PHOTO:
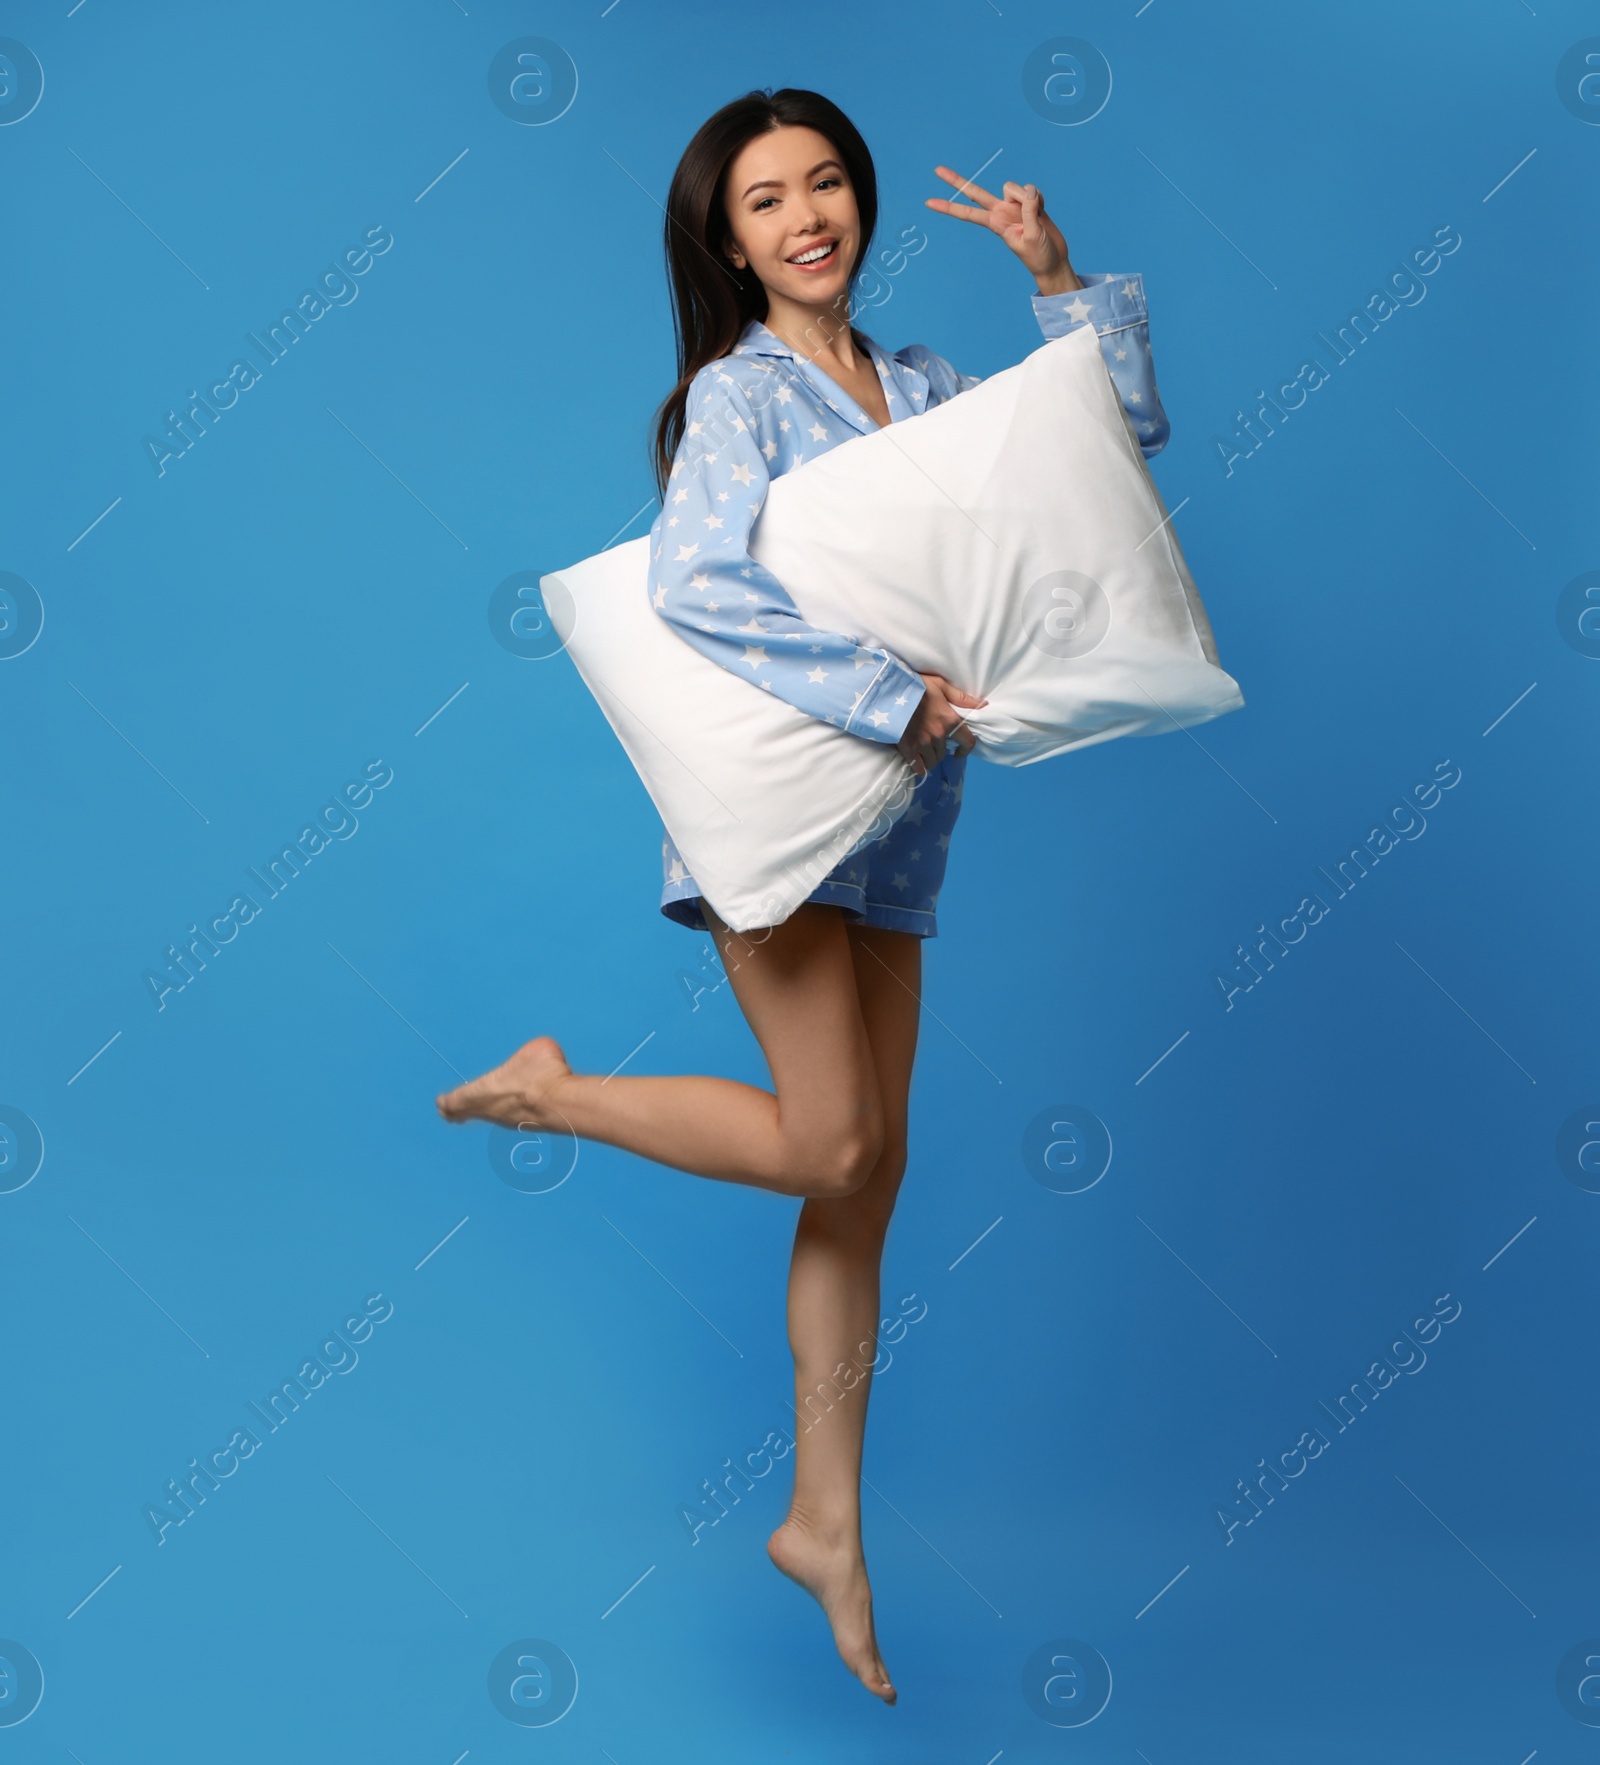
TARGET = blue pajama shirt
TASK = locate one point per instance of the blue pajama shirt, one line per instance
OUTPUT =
(758, 413)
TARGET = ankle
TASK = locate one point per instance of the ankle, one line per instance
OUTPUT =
(834, 1525)
(557, 1092)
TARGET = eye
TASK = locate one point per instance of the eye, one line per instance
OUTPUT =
(763, 203)
(831, 178)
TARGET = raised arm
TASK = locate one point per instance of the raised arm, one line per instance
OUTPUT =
(705, 583)
(1114, 305)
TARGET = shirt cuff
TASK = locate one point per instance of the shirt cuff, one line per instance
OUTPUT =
(888, 703)
(1109, 303)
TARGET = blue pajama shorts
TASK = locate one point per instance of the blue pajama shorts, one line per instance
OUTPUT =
(893, 883)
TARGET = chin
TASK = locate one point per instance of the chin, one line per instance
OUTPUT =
(813, 291)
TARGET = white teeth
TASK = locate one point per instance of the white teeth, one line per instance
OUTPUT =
(814, 256)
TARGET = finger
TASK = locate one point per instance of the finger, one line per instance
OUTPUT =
(1016, 204)
(957, 697)
(946, 691)
(966, 741)
(966, 187)
(1032, 225)
(940, 206)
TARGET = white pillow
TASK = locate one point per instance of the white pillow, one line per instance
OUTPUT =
(1011, 539)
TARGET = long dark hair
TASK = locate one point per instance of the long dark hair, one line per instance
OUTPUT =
(712, 302)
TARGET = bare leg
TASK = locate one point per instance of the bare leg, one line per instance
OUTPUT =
(833, 1320)
(819, 1132)
(835, 1010)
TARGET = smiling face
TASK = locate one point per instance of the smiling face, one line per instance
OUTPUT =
(793, 215)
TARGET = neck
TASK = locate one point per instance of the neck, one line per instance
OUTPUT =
(813, 329)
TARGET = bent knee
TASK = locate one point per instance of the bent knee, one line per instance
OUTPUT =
(857, 1218)
(841, 1166)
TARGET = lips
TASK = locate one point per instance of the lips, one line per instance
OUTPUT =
(829, 249)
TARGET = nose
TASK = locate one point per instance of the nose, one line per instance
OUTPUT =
(812, 220)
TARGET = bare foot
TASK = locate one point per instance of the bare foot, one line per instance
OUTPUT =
(834, 1572)
(519, 1094)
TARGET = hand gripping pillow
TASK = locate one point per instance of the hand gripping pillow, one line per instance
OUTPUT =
(1011, 539)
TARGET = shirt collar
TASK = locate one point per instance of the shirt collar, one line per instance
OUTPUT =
(756, 339)
(906, 386)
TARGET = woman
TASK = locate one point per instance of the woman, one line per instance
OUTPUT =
(770, 216)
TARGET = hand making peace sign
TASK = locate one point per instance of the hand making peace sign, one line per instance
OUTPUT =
(1018, 217)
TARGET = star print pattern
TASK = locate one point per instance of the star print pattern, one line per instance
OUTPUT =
(740, 409)
(728, 458)
(746, 415)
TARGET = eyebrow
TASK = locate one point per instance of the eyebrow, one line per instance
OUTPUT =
(777, 183)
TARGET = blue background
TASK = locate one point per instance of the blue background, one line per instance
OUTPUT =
(1298, 1179)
